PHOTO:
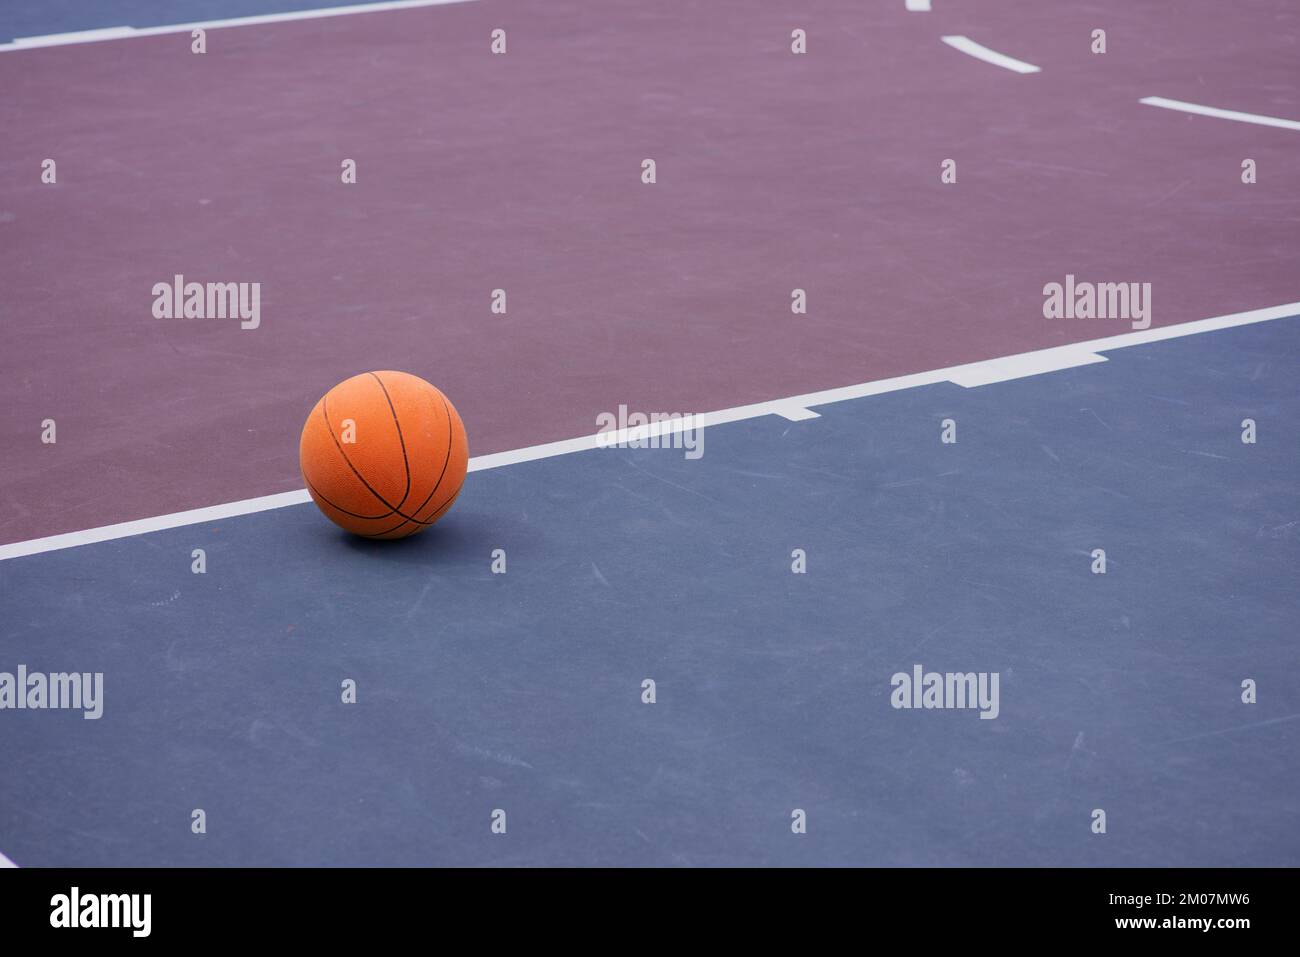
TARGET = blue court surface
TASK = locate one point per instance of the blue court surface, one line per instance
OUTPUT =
(479, 693)
(73, 16)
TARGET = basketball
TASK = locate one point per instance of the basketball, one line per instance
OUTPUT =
(384, 454)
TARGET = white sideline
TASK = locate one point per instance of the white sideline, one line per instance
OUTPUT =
(917, 6)
(1217, 113)
(794, 408)
(978, 51)
(1017, 367)
(122, 33)
(5, 862)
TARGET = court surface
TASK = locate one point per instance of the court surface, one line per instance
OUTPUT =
(916, 472)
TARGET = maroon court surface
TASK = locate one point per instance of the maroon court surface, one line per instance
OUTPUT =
(522, 172)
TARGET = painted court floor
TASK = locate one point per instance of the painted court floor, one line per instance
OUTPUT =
(635, 656)
(523, 691)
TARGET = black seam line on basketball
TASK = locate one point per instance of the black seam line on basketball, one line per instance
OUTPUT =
(325, 412)
(446, 409)
(406, 464)
(432, 519)
(372, 518)
(446, 505)
(433, 516)
(441, 475)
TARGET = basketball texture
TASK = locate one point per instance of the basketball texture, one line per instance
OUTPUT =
(384, 454)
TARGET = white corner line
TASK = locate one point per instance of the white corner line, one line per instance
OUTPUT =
(980, 52)
(5, 862)
(123, 33)
(794, 408)
(1166, 104)
(917, 6)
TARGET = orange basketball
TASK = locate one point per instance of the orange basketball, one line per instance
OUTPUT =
(384, 454)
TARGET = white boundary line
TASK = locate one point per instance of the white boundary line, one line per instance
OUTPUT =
(123, 33)
(1017, 367)
(5, 862)
(794, 408)
(1214, 111)
(917, 6)
(980, 52)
